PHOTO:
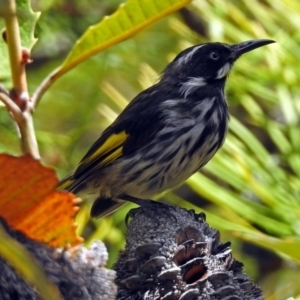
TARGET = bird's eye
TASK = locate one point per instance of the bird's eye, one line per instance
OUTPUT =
(214, 55)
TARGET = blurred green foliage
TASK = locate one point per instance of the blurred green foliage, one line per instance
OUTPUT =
(250, 191)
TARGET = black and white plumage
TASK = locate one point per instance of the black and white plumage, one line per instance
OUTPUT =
(165, 134)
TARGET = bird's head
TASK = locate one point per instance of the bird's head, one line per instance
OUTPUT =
(207, 63)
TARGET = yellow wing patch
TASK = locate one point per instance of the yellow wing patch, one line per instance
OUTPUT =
(114, 141)
(112, 144)
(117, 153)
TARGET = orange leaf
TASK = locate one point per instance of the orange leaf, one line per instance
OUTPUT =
(30, 203)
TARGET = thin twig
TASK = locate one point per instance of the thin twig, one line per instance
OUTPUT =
(3, 89)
(12, 107)
(43, 87)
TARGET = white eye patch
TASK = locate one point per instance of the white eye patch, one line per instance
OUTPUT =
(222, 72)
(186, 58)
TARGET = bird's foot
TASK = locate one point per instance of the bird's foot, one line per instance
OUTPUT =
(149, 207)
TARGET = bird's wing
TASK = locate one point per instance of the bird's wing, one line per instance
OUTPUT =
(105, 150)
(132, 130)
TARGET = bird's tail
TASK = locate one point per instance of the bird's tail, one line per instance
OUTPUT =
(66, 183)
(105, 206)
(101, 207)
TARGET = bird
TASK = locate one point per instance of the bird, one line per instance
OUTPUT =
(165, 134)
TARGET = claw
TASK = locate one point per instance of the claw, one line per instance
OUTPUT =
(131, 214)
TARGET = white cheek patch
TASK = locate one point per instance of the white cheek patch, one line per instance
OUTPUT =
(191, 85)
(223, 71)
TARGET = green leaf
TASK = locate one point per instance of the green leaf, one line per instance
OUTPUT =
(253, 212)
(24, 263)
(4, 60)
(27, 20)
(130, 18)
(288, 246)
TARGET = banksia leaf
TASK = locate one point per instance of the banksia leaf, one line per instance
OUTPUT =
(130, 18)
(30, 203)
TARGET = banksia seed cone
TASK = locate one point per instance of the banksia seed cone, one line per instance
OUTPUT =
(174, 254)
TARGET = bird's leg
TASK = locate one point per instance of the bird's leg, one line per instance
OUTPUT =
(138, 201)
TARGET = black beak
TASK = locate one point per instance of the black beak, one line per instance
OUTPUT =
(244, 47)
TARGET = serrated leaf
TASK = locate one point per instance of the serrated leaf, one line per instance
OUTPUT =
(129, 19)
(4, 60)
(27, 19)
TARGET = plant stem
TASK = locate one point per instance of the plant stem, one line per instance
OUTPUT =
(15, 48)
(27, 134)
(23, 109)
